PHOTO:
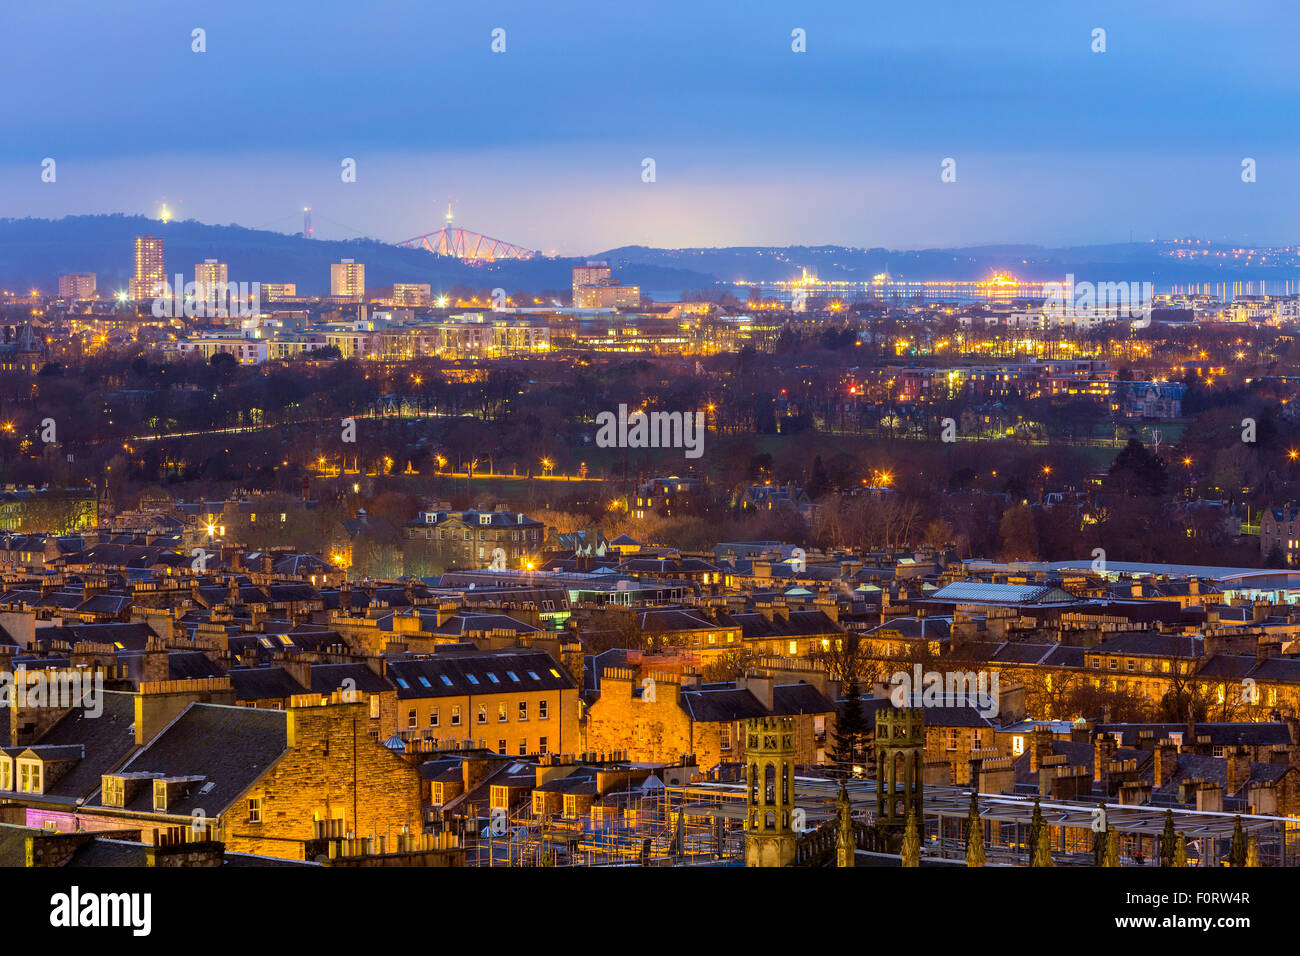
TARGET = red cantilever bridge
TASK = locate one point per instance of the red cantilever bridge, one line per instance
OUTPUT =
(468, 246)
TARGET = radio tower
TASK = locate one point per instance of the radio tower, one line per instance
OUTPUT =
(306, 222)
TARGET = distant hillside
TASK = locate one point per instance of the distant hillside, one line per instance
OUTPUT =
(1128, 262)
(34, 252)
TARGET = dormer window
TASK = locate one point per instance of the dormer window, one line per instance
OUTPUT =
(484, 519)
(30, 778)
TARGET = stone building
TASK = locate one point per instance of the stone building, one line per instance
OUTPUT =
(660, 717)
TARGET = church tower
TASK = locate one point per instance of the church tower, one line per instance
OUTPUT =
(900, 743)
(769, 790)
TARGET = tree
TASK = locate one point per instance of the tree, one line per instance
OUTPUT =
(850, 731)
(1137, 471)
(1237, 852)
(1019, 534)
(974, 834)
(1168, 841)
(911, 840)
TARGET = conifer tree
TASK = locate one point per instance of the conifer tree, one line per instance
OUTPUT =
(850, 731)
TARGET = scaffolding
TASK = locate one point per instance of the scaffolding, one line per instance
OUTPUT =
(702, 824)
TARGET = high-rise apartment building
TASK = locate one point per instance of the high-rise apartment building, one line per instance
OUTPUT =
(593, 273)
(210, 274)
(77, 285)
(348, 278)
(150, 276)
(412, 293)
(274, 291)
(607, 295)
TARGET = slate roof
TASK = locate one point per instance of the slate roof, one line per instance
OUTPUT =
(107, 740)
(729, 704)
(264, 683)
(231, 747)
(920, 628)
(130, 636)
(656, 620)
(754, 626)
(934, 716)
(327, 678)
(451, 673)
(1152, 644)
(459, 624)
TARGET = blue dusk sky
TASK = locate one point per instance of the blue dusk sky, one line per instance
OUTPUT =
(753, 143)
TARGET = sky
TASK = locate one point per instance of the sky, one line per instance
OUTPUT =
(753, 144)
